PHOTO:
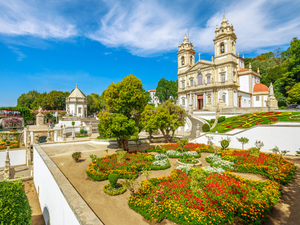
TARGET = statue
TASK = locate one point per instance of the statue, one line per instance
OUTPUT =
(271, 90)
(68, 111)
(155, 101)
(40, 110)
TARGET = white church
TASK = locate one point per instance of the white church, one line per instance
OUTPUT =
(223, 82)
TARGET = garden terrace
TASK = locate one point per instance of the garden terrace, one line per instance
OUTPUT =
(252, 119)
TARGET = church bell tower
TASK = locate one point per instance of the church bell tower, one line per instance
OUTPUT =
(225, 41)
(186, 55)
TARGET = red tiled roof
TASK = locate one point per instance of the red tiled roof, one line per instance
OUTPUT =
(260, 87)
(152, 90)
(242, 70)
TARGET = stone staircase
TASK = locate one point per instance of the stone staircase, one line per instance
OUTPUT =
(194, 126)
(94, 123)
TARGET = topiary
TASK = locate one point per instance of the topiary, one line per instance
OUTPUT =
(113, 179)
(212, 121)
(121, 156)
(205, 127)
(221, 119)
(254, 152)
(198, 180)
(76, 156)
(224, 144)
(81, 131)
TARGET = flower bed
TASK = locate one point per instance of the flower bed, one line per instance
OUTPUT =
(100, 168)
(264, 164)
(13, 144)
(223, 198)
(188, 147)
(179, 154)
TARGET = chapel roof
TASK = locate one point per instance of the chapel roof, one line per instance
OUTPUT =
(242, 70)
(154, 90)
(77, 93)
(258, 87)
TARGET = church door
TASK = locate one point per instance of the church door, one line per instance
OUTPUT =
(200, 101)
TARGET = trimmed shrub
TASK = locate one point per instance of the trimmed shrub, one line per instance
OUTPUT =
(15, 208)
(212, 121)
(254, 152)
(205, 127)
(120, 189)
(198, 180)
(81, 131)
(113, 179)
(76, 156)
(121, 156)
(73, 123)
(221, 119)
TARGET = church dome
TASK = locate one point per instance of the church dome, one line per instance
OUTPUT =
(260, 87)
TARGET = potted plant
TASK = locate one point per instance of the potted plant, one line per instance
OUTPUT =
(76, 156)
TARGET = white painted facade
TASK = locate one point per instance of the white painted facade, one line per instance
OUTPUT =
(285, 136)
(17, 157)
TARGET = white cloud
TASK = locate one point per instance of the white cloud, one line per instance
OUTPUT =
(20, 54)
(33, 18)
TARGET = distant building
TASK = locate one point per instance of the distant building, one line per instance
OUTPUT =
(152, 95)
(223, 82)
(76, 103)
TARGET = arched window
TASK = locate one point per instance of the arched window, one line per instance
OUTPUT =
(222, 48)
(182, 60)
(200, 79)
(191, 60)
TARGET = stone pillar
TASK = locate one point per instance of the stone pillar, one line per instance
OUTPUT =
(230, 97)
(198, 130)
(61, 130)
(75, 110)
(90, 129)
(48, 134)
(73, 132)
(36, 138)
(39, 119)
(28, 155)
(6, 170)
(64, 133)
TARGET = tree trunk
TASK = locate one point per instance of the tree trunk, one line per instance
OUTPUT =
(165, 136)
(125, 145)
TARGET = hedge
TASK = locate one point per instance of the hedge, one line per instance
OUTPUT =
(14, 206)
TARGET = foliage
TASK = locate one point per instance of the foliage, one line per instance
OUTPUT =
(54, 100)
(137, 141)
(188, 147)
(126, 101)
(100, 168)
(81, 131)
(263, 164)
(217, 161)
(73, 123)
(117, 190)
(254, 152)
(198, 178)
(149, 121)
(205, 127)
(121, 156)
(131, 184)
(76, 156)
(113, 179)
(225, 143)
(235, 197)
(12, 122)
(179, 154)
(294, 94)
(182, 142)
(15, 208)
(243, 141)
(25, 100)
(276, 150)
(221, 119)
(188, 160)
(95, 103)
(165, 89)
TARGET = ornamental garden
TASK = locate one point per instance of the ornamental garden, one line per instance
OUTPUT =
(192, 194)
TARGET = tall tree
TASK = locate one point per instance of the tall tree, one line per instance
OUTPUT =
(294, 94)
(125, 101)
(165, 89)
(148, 120)
(94, 103)
(25, 100)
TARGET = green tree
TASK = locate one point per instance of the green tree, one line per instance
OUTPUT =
(51, 101)
(125, 99)
(148, 120)
(165, 89)
(294, 94)
(39, 101)
(25, 100)
(94, 102)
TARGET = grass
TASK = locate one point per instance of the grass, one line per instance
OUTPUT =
(222, 129)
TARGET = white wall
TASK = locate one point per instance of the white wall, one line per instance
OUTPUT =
(246, 100)
(286, 138)
(257, 103)
(17, 157)
(244, 83)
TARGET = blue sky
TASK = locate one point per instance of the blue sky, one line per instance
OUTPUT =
(54, 44)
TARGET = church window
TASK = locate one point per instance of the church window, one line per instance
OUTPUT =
(191, 60)
(222, 77)
(222, 30)
(183, 101)
(222, 48)
(200, 78)
(208, 79)
(224, 98)
(182, 84)
(192, 83)
(257, 97)
(182, 60)
(79, 110)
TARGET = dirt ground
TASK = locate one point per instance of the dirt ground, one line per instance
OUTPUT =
(110, 209)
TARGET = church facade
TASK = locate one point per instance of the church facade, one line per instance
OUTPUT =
(223, 82)
(76, 103)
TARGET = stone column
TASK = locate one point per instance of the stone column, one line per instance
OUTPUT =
(75, 111)
(73, 132)
(64, 133)
(230, 97)
(6, 170)
(48, 134)
(90, 129)
(61, 130)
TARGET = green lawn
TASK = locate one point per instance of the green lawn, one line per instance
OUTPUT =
(249, 120)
